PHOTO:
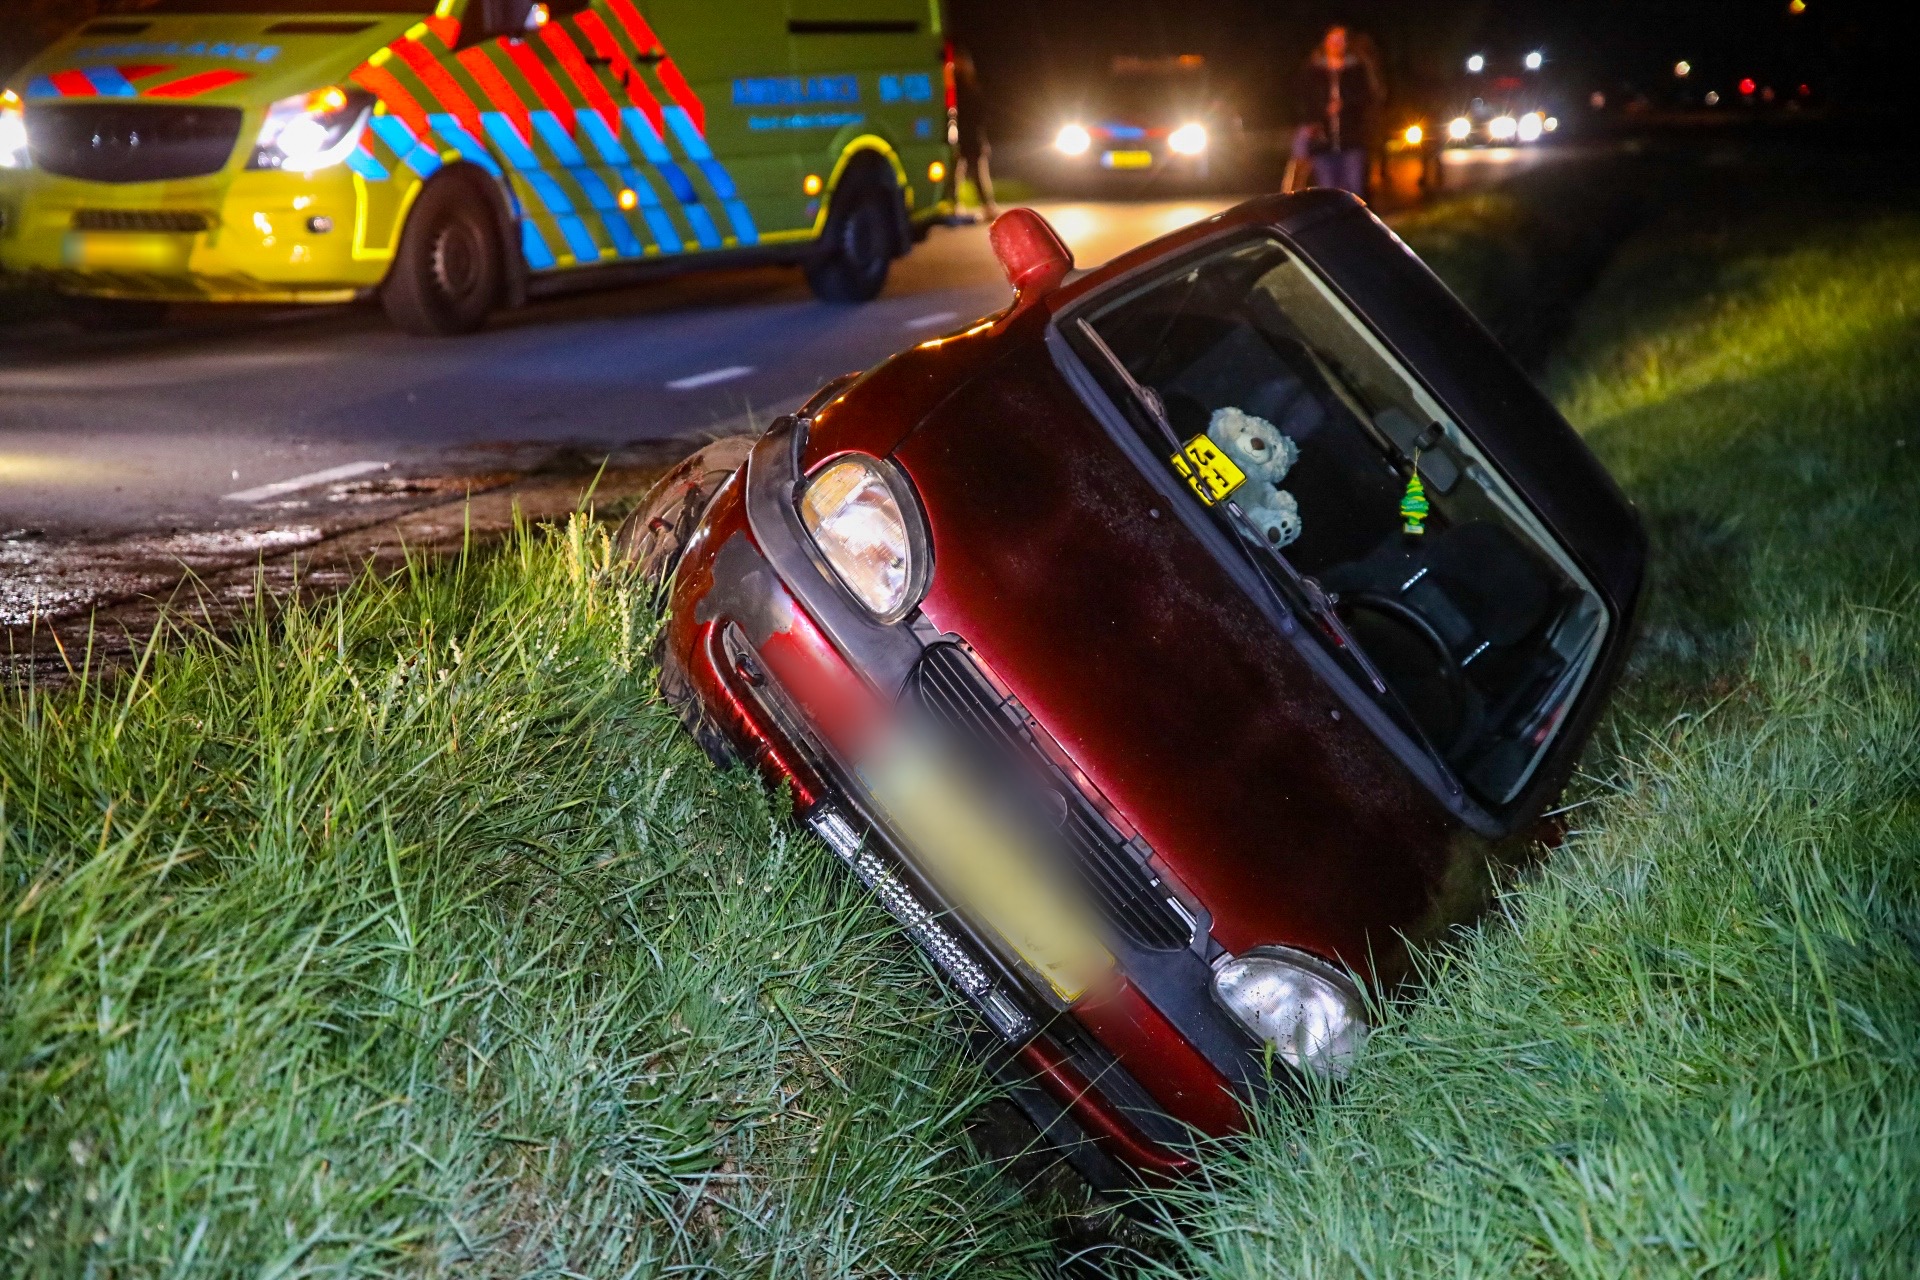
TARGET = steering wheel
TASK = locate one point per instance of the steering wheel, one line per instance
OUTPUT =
(1453, 677)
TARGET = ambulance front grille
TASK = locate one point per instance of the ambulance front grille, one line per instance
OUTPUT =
(184, 221)
(117, 142)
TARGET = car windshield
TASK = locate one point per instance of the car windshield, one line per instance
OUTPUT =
(1297, 429)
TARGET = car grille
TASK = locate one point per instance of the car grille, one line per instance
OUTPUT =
(111, 142)
(177, 220)
(948, 686)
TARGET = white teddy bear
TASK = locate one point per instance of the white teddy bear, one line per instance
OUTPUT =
(1258, 448)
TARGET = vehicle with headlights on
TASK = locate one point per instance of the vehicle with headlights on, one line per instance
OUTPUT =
(1147, 122)
(1170, 652)
(1506, 98)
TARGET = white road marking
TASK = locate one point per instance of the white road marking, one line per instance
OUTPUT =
(344, 471)
(928, 321)
(710, 377)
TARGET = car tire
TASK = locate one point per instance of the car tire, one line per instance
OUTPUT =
(860, 243)
(653, 538)
(448, 273)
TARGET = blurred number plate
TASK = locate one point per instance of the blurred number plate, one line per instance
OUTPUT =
(1128, 159)
(1207, 471)
(984, 864)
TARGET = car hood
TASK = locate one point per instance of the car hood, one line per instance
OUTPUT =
(217, 59)
(1258, 790)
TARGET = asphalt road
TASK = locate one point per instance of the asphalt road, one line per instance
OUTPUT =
(226, 419)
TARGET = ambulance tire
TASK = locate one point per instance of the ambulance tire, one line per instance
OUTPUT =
(860, 242)
(448, 274)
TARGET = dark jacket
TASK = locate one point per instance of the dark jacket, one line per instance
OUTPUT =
(1337, 99)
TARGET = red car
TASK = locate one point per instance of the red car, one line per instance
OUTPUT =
(1169, 652)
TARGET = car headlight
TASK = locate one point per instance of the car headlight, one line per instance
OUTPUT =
(1459, 128)
(1502, 128)
(867, 524)
(1309, 1011)
(13, 132)
(1188, 140)
(311, 130)
(1072, 140)
(1530, 126)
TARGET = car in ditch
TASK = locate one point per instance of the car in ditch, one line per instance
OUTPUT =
(1173, 653)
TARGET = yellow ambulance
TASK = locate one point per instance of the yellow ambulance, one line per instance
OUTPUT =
(451, 156)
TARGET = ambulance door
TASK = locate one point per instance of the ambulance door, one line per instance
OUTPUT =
(888, 52)
(534, 96)
(727, 85)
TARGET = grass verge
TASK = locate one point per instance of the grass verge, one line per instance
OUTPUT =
(1686, 1047)
(408, 934)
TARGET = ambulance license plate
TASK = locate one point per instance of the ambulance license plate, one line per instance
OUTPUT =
(1128, 159)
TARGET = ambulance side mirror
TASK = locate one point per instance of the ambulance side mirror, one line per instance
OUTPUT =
(1031, 253)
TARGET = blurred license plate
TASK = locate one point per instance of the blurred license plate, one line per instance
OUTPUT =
(983, 862)
(1128, 159)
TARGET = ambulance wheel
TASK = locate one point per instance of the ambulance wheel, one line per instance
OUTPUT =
(448, 274)
(859, 244)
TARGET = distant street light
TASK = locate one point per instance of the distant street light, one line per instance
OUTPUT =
(1534, 60)
(1683, 68)
(1476, 64)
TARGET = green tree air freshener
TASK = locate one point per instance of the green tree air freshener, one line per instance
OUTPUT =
(1413, 503)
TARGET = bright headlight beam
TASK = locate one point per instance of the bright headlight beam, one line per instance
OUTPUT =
(1188, 140)
(1530, 126)
(1502, 128)
(1072, 140)
(13, 138)
(1460, 128)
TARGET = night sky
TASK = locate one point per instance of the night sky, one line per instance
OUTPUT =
(1620, 46)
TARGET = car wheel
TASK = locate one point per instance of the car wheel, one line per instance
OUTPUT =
(448, 273)
(653, 539)
(858, 245)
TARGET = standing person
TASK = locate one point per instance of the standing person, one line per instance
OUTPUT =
(970, 144)
(1335, 102)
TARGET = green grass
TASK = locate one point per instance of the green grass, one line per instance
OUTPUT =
(1686, 1046)
(405, 933)
(409, 935)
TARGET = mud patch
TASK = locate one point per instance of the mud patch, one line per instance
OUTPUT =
(49, 579)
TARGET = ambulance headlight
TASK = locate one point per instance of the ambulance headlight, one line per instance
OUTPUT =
(311, 130)
(866, 522)
(1459, 129)
(13, 132)
(1530, 126)
(1188, 140)
(1309, 1011)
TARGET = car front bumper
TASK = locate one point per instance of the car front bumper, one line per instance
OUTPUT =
(796, 678)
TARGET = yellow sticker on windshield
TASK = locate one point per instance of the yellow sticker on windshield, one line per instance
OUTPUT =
(1208, 472)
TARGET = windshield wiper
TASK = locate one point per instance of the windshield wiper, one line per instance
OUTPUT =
(1320, 603)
